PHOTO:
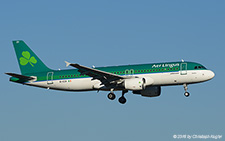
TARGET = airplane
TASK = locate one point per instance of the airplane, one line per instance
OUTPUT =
(142, 79)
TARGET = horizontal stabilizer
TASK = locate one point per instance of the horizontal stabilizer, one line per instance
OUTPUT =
(20, 76)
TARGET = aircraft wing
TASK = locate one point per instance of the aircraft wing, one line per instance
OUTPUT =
(104, 77)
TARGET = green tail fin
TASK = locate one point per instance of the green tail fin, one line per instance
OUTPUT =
(28, 61)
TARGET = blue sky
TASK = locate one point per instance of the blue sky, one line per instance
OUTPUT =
(103, 33)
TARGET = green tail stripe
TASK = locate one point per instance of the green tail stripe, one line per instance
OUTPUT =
(28, 61)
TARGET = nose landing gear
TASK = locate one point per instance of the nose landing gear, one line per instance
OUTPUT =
(187, 94)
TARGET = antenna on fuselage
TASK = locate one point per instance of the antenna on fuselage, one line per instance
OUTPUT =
(182, 60)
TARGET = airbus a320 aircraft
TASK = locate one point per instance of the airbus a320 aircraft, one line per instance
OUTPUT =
(141, 79)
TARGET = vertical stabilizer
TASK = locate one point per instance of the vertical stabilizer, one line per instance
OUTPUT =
(28, 61)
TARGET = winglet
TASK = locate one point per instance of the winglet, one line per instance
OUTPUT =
(67, 63)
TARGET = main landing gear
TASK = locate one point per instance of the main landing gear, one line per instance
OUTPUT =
(187, 94)
(122, 99)
(111, 96)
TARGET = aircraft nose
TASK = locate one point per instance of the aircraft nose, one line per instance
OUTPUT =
(210, 74)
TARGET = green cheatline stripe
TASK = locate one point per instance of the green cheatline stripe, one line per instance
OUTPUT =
(138, 69)
(77, 75)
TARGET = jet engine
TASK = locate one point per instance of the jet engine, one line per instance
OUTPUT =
(149, 91)
(137, 83)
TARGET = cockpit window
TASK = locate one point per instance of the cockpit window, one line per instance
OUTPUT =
(203, 67)
(200, 67)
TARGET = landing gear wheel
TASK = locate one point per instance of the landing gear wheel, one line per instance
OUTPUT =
(122, 100)
(186, 88)
(187, 94)
(111, 96)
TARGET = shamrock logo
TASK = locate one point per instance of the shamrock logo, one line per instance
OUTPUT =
(27, 59)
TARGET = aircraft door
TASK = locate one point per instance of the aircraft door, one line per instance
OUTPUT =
(50, 78)
(132, 72)
(183, 69)
(129, 72)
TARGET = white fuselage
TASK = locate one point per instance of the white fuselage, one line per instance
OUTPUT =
(160, 79)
